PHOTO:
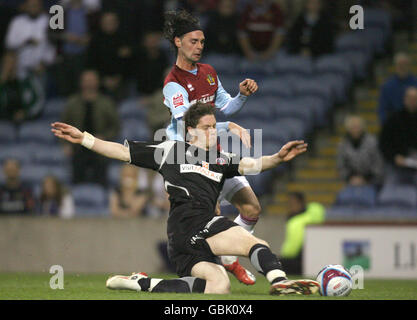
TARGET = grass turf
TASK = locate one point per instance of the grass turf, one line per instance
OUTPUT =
(33, 286)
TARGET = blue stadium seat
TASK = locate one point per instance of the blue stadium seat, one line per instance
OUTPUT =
(113, 174)
(378, 19)
(37, 132)
(288, 109)
(135, 129)
(294, 64)
(7, 133)
(34, 174)
(276, 86)
(318, 107)
(357, 196)
(54, 109)
(333, 63)
(21, 152)
(223, 63)
(294, 127)
(398, 195)
(337, 83)
(358, 61)
(231, 83)
(310, 87)
(90, 199)
(49, 155)
(132, 109)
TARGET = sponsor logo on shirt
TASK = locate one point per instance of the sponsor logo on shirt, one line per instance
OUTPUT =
(190, 87)
(178, 100)
(192, 168)
(204, 99)
(221, 161)
(211, 80)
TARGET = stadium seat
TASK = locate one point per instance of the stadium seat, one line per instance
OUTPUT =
(7, 133)
(276, 86)
(16, 151)
(294, 64)
(378, 19)
(398, 195)
(132, 109)
(231, 83)
(310, 87)
(37, 132)
(53, 109)
(333, 63)
(34, 174)
(318, 107)
(47, 155)
(90, 199)
(357, 196)
(135, 129)
(224, 63)
(113, 174)
(288, 109)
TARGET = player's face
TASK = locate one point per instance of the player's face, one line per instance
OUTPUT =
(191, 46)
(206, 131)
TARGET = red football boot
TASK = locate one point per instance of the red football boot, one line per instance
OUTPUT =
(241, 274)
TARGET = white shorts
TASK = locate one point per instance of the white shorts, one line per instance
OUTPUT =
(231, 186)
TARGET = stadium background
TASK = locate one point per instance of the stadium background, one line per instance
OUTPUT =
(299, 97)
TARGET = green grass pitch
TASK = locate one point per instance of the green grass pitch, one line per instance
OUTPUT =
(33, 286)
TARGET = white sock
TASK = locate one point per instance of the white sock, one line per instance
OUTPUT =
(228, 259)
(245, 223)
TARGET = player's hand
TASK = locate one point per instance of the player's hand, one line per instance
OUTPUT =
(66, 132)
(248, 87)
(292, 149)
(241, 132)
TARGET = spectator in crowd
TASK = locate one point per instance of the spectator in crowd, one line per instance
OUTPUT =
(221, 32)
(398, 141)
(313, 32)
(358, 158)
(150, 66)
(74, 40)
(54, 199)
(261, 30)
(28, 54)
(15, 197)
(158, 205)
(93, 112)
(127, 200)
(391, 97)
(110, 54)
(300, 215)
(27, 38)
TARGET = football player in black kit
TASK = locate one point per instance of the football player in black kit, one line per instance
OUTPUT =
(194, 173)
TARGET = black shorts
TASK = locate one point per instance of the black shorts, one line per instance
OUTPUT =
(188, 246)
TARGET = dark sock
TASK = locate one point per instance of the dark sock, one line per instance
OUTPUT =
(182, 285)
(265, 261)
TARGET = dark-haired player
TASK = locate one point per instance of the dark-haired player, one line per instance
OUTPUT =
(190, 81)
(196, 235)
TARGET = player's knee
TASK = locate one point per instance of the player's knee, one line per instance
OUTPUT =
(222, 286)
(251, 210)
(218, 284)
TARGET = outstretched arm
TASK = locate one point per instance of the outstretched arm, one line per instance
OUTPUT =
(288, 152)
(106, 148)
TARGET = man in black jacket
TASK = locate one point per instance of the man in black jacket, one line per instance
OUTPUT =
(398, 140)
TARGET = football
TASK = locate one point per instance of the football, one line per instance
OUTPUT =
(334, 280)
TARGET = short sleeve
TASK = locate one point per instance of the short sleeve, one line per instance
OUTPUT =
(176, 99)
(142, 154)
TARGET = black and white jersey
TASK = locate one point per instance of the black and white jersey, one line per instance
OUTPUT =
(190, 174)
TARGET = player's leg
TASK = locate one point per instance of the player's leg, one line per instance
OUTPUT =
(238, 241)
(238, 192)
(249, 207)
(215, 275)
(141, 282)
